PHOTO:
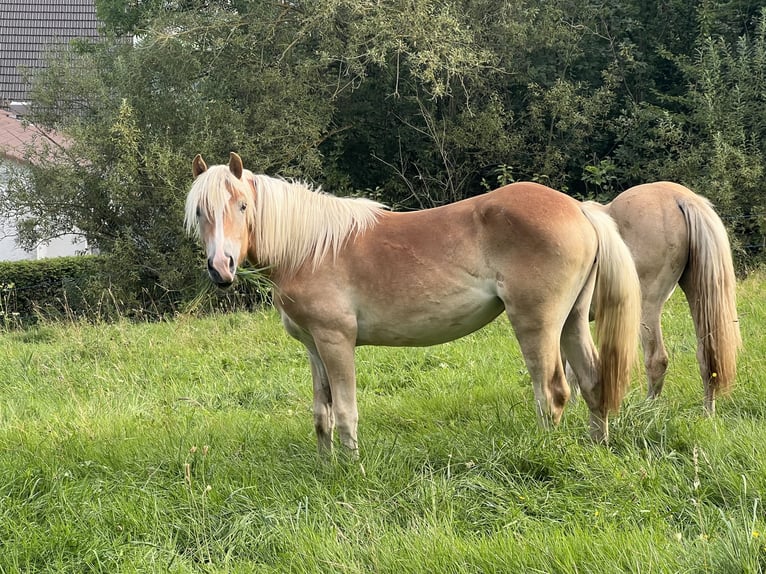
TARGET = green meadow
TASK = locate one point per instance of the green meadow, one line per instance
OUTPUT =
(188, 446)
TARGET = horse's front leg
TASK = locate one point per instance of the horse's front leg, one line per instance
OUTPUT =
(336, 353)
(324, 421)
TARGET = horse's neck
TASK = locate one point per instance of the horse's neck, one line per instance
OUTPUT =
(297, 225)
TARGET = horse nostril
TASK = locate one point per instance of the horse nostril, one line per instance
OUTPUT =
(214, 275)
(232, 265)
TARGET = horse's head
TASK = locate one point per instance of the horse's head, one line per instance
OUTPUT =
(220, 209)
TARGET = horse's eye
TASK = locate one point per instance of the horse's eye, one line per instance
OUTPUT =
(243, 207)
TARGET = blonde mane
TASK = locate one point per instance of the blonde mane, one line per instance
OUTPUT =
(289, 222)
(295, 223)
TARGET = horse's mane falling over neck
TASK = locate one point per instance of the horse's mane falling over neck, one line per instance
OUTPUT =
(294, 223)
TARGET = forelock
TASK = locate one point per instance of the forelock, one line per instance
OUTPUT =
(210, 193)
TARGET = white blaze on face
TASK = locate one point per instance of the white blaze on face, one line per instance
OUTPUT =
(222, 250)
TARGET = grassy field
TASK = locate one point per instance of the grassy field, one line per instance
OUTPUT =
(188, 446)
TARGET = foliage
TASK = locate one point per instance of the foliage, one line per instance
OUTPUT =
(82, 288)
(424, 103)
(47, 286)
(141, 114)
(729, 99)
(188, 446)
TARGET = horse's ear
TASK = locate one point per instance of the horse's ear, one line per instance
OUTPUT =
(235, 165)
(198, 165)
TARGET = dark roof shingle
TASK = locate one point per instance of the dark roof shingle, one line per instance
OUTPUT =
(29, 28)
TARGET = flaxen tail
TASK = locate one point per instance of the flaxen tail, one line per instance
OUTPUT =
(617, 308)
(710, 285)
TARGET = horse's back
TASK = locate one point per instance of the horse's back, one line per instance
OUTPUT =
(526, 226)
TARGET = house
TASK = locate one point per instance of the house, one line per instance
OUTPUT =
(27, 31)
(15, 136)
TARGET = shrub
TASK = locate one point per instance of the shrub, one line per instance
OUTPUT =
(88, 287)
(49, 286)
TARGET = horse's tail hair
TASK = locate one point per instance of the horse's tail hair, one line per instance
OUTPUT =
(712, 294)
(617, 309)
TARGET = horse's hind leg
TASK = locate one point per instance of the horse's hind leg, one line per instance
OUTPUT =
(655, 355)
(540, 348)
(708, 400)
(703, 360)
(582, 363)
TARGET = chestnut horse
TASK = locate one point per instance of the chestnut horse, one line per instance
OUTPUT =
(346, 272)
(676, 238)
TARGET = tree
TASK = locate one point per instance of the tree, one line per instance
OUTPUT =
(136, 115)
(418, 102)
(726, 153)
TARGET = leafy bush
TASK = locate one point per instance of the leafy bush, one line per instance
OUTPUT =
(28, 288)
(88, 287)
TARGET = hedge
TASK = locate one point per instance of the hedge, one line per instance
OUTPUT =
(82, 287)
(53, 286)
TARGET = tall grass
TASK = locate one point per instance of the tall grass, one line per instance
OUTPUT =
(188, 446)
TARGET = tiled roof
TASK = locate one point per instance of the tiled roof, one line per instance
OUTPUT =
(16, 136)
(28, 28)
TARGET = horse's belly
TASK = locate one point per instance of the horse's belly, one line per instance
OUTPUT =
(408, 325)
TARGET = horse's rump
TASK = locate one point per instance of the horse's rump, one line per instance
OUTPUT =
(676, 237)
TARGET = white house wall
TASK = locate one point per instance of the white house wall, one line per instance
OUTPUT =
(9, 248)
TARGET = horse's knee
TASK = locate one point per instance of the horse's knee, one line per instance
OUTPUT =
(657, 365)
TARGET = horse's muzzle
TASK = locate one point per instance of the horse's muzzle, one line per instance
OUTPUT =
(222, 270)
